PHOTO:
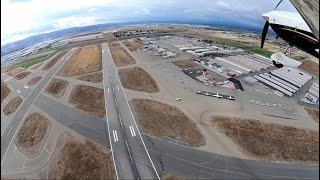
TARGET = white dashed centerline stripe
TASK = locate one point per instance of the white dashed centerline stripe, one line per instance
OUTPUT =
(118, 88)
(120, 121)
(129, 151)
(108, 90)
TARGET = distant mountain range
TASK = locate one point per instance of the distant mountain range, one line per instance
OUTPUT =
(17, 45)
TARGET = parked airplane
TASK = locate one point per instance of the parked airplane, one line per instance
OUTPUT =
(292, 28)
(207, 94)
(217, 95)
(177, 99)
(231, 97)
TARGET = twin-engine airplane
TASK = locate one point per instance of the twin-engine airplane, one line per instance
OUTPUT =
(297, 29)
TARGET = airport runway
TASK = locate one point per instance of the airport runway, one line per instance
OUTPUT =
(8, 134)
(131, 157)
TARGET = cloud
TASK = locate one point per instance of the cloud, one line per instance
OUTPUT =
(143, 11)
(74, 21)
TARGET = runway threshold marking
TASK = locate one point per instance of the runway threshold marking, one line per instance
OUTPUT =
(133, 133)
(115, 135)
(118, 88)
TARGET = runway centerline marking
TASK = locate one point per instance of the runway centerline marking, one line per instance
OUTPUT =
(120, 121)
(108, 90)
(115, 100)
(129, 150)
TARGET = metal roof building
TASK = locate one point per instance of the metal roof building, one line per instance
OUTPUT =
(286, 78)
(286, 92)
(277, 83)
(282, 81)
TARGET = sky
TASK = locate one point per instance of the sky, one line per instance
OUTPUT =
(23, 18)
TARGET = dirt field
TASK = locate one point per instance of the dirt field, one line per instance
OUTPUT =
(32, 132)
(34, 80)
(310, 66)
(53, 61)
(95, 77)
(15, 71)
(115, 44)
(314, 113)
(36, 66)
(185, 64)
(12, 105)
(160, 120)
(133, 46)
(121, 57)
(82, 159)
(5, 90)
(272, 142)
(138, 79)
(89, 99)
(22, 75)
(171, 177)
(85, 60)
(56, 87)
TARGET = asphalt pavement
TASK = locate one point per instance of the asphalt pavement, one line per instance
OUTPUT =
(12, 128)
(131, 158)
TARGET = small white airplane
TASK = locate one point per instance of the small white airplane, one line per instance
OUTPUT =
(217, 95)
(262, 104)
(297, 29)
(198, 92)
(268, 105)
(177, 99)
(252, 101)
(207, 94)
(231, 97)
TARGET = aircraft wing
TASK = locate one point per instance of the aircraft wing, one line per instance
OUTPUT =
(309, 10)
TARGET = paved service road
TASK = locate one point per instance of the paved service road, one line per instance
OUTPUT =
(196, 164)
(90, 127)
(131, 158)
(12, 128)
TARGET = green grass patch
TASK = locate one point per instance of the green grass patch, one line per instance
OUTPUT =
(258, 50)
(234, 43)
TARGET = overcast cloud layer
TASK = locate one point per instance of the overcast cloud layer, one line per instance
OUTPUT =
(23, 18)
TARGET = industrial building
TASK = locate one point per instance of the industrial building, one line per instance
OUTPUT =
(287, 80)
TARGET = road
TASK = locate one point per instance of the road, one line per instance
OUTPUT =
(131, 158)
(197, 164)
(15, 123)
